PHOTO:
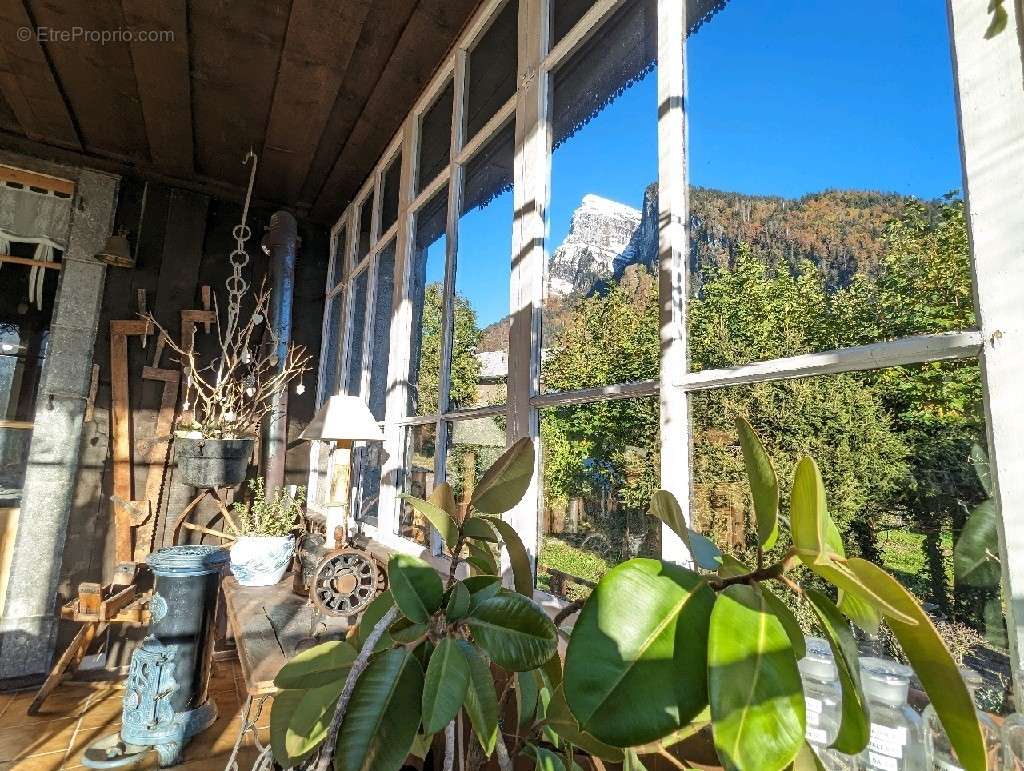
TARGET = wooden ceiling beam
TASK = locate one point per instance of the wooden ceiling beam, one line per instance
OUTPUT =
(164, 81)
(29, 83)
(430, 33)
(96, 76)
(321, 38)
(376, 46)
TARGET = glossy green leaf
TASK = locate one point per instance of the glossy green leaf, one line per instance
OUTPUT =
(311, 718)
(932, 664)
(839, 575)
(477, 527)
(635, 665)
(527, 691)
(553, 670)
(982, 468)
(437, 516)
(632, 762)
(383, 714)
(404, 631)
(317, 665)
(421, 745)
(519, 558)
(415, 586)
(731, 567)
(281, 711)
(561, 719)
(976, 552)
(788, 621)
(374, 612)
(505, 483)
(481, 699)
(485, 557)
(860, 611)
(444, 688)
(665, 507)
(807, 510)
(703, 550)
(757, 703)
(457, 604)
(514, 631)
(546, 760)
(764, 484)
(854, 726)
(443, 497)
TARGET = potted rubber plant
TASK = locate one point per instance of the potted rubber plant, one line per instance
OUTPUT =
(659, 652)
(227, 398)
(264, 531)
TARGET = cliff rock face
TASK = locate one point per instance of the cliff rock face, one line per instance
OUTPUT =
(598, 247)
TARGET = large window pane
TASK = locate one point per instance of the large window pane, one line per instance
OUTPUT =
(435, 138)
(601, 314)
(491, 69)
(481, 321)
(389, 194)
(338, 270)
(819, 170)
(381, 340)
(418, 480)
(894, 448)
(601, 464)
(565, 14)
(365, 224)
(426, 290)
(331, 342)
(357, 330)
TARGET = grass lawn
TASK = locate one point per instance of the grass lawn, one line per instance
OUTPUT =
(560, 555)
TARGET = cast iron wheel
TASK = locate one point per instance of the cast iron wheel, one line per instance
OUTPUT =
(345, 582)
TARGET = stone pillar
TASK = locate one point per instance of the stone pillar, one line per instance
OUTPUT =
(29, 624)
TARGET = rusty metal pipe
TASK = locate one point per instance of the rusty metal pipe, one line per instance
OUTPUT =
(281, 243)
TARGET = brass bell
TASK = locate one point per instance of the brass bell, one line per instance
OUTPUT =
(116, 252)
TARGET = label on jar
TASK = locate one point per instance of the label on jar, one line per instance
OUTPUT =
(882, 762)
(887, 741)
(945, 765)
(813, 705)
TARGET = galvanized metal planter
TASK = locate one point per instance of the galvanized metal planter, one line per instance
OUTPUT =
(212, 462)
(165, 701)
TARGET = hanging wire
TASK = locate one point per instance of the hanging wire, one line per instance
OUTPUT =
(236, 285)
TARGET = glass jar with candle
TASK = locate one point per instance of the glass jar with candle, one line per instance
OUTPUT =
(939, 749)
(823, 697)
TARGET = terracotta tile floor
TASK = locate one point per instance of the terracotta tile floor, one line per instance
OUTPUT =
(76, 715)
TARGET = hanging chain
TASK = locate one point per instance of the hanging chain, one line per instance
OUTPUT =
(236, 285)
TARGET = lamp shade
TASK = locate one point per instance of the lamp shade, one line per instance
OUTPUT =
(343, 418)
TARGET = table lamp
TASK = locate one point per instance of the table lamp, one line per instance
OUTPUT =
(342, 420)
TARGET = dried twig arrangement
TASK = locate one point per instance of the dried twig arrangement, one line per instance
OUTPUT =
(229, 397)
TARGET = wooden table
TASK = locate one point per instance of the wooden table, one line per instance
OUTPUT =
(268, 623)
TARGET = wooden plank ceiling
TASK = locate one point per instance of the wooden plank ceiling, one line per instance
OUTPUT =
(316, 87)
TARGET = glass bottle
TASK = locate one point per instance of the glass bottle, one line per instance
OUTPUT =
(823, 697)
(939, 750)
(1013, 742)
(897, 731)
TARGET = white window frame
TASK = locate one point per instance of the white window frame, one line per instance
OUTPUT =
(990, 108)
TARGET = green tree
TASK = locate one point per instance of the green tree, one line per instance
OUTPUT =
(465, 371)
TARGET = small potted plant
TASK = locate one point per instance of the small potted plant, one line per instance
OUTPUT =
(226, 399)
(264, 532)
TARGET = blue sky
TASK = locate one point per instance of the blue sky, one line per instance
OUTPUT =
(785, 98)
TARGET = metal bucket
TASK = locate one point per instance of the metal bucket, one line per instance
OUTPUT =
(212, 462)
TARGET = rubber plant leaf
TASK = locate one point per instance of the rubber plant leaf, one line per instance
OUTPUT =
(481, 699)
(665, 507)
(438, 517)
(505, 483)
(476, 527)
(808, 515)
(788, 621)
(383, 715)
(457, 604)
(757, 702)
(854, 725)
(315, 666)
(976, 553)
(374, 612)
(982, 468)
(932, 663)
(445, 684)
(561, 719)
(635, 664)
(415, 586)
(281, 712)
(514, 631)
(519, 558)
(764, 484)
